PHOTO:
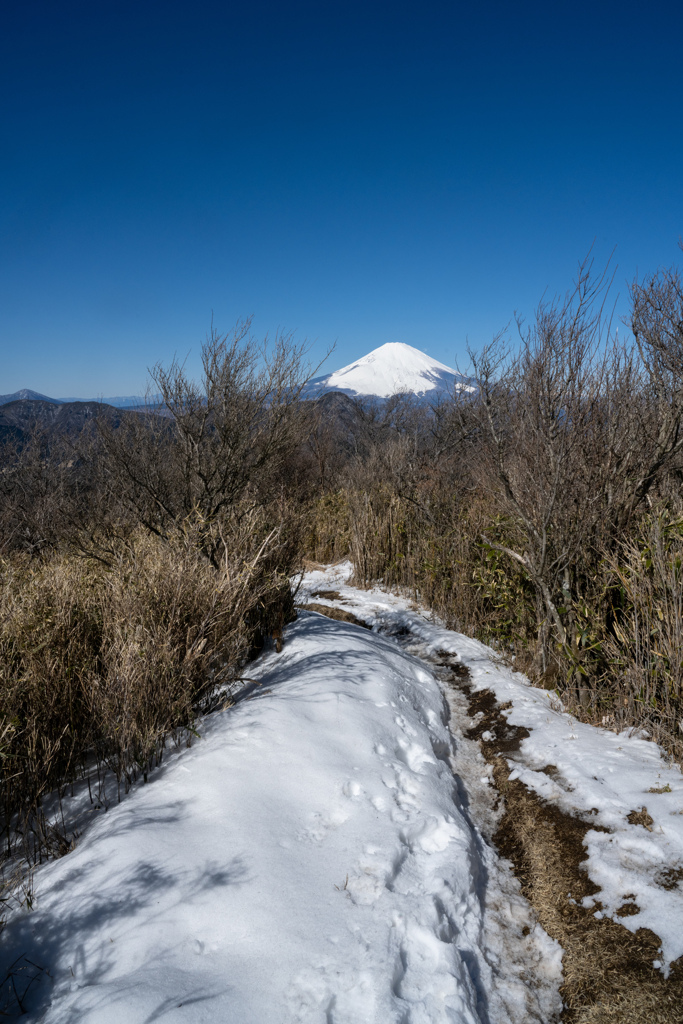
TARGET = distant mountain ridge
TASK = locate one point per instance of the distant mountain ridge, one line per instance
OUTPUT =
(18, 419)
(393, 368)
(26, 395)
(119, 401)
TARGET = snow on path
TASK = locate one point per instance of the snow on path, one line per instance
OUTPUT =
(310, 859)
(600, 774)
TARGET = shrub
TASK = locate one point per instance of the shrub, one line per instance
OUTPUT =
(100, 664)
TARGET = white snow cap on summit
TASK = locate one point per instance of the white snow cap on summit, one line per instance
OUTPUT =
(388, 370)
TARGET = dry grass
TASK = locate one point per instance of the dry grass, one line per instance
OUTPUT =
(646, 640)
(100, 665)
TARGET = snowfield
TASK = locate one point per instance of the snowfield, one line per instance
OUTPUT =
(313, 858)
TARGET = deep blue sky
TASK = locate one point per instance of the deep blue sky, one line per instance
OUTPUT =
(359, 173)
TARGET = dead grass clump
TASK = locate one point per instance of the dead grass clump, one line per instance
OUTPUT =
(51, 634)
(644, 645)
(329, 530)
(173, 631)
(641, 817)
(100, 664)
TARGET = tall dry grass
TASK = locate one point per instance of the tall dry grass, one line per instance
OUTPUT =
(100, 665)
(645, 643)
(439, 557)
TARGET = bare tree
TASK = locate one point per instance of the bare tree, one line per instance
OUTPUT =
(657, 325)
(211, 447)
(576, 430)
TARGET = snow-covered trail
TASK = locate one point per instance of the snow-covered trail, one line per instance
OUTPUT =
(313, 859)
(310, 859)
(618, 782)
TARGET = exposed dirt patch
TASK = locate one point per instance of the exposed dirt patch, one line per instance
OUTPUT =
(328, 595)
(608, 972)
(334, 613)
(450, 661)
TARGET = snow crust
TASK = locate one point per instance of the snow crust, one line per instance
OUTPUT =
(601, 775)
(389, 370)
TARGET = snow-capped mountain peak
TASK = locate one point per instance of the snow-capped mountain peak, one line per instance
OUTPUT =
(389, 370)
(27, 395)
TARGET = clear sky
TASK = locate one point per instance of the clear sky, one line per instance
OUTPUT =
(356, 172)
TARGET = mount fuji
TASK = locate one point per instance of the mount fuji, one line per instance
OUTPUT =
(394, 368)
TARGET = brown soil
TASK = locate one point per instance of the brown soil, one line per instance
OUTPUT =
(334, 613)
(608, 972)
